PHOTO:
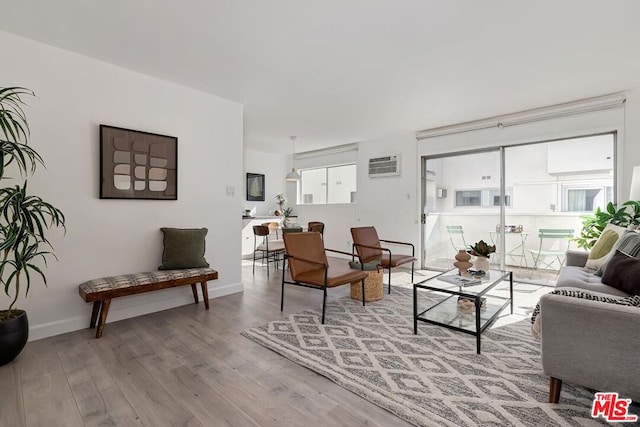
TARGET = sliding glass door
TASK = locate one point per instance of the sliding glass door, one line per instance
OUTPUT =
(462, 204)
(553, 185)
(531, 214)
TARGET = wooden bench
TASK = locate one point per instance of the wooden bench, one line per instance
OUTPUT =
(101, 291)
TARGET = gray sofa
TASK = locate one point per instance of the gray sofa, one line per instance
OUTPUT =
(574, 275)
(589, 343)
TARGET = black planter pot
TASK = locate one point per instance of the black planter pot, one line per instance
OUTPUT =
(14, 333)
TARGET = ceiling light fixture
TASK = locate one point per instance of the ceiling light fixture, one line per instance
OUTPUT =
(293, 175)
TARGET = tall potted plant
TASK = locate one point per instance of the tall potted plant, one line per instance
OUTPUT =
(24, 221)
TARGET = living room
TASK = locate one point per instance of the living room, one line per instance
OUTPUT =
(91, 64)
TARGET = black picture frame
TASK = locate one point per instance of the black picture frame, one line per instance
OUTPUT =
(137, 165)
(255, 187)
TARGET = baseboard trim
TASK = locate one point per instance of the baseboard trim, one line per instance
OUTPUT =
(50, 329)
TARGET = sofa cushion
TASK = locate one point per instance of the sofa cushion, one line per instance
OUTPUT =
(604, 246)
(629, 243)
(623, 272)
(582, 278)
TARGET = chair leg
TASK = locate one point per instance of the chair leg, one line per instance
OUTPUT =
(412, 272)
(324, 304)
(535, 265)
(254, 262)
(555, 386)
(282, 294)
(389, 280)
(267, 264)
(363, 299)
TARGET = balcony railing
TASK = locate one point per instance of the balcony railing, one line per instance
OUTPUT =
(521, 242)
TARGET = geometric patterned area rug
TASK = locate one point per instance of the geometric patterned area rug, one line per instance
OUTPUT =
(434, 378)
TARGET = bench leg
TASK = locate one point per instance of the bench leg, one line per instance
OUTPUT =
(94, 314)
(205, 294)
(103, 317)
(194, 289)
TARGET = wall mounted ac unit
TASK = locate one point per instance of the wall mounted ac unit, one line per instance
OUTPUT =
(384, 166)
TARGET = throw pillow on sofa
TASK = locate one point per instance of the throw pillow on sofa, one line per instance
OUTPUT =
(604, 246)
(623, 272)
(629, 243)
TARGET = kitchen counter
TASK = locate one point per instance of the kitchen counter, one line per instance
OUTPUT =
(247, 230)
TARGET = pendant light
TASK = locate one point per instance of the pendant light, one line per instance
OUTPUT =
(293, 175)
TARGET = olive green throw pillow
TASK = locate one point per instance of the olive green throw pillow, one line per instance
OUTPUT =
(183, 248)
(368, 266)
(604, 246)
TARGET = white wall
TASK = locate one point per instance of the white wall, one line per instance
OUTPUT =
(388, 203)
(629, 155)
(274, 169)
(106, 237)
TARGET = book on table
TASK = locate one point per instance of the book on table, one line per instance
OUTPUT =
(460, 280)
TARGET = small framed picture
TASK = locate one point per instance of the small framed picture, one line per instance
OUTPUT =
(255, 187)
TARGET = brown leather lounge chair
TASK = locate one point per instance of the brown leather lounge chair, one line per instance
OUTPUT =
(310, 268)
(367, 245)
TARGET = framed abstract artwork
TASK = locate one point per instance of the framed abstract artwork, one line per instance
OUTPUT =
(255, 187)
(137, 165)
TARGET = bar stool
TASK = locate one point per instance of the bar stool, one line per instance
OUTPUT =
(271, 249)
(316, 226)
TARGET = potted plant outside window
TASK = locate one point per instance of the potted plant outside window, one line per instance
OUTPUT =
(24, 221)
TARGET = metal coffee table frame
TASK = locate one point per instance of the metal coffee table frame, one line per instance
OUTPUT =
(447, 309)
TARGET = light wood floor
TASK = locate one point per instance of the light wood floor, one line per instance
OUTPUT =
(181, 367)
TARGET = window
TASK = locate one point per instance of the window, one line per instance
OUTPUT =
(484, 197)
(314, 186)
(494, 197)
(586, 197)
(328, 185)
(468, 198)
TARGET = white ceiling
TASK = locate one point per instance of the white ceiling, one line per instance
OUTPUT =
(339, 71)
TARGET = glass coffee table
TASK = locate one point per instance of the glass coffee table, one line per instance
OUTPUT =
(468, 308)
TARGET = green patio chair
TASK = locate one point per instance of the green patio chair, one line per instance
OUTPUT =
(456, 236)
(546, 250)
